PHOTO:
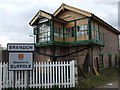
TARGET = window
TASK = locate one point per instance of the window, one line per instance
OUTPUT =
(73, 32)
(82, 30)
(58, 32)
(101, 63)
(116, 61)
(44, 33)
(70, 32)
(35, 31)
(110, 61)
(61, 32)
(95, 33)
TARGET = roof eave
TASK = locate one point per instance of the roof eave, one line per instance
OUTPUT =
(33, 19)
(42, 13)
(47, 15)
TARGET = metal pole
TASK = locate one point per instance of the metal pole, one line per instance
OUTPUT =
(34, 40)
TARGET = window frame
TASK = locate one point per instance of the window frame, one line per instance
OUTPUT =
(95, 32)
(44, 32)
(110, 60)
(101, 65)
(82, 30)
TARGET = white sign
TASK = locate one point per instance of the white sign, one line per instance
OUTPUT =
(20, 60)
(20, 47)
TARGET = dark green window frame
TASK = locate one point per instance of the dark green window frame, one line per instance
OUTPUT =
(58, 32)
(110, 60)
(95, 32)
(82, 30)
(35, 30)
(101, 60)
(69, 32)
(116, 60)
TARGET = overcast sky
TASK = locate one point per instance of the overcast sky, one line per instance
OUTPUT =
(15, 15)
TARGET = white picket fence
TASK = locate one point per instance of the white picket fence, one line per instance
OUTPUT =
(61, 74)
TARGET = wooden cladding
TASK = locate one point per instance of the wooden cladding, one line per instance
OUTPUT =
(70, 39)
(58, 24)
(70, 24)
(67, 7)
(79, 38)
(81, 22)
(69, 15)
(58, 39)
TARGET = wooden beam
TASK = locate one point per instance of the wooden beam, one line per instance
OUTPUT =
(56, 13)
(45, 15)
(34, 19)
(37, 16)
(59, 20)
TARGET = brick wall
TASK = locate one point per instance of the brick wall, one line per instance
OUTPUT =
(63, 50)
(111, 45)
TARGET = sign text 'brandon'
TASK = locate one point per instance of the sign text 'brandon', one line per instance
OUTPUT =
(20, 47)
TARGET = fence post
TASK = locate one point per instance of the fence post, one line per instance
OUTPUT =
(4, 75)
(6, 78)
(76, 72)
(67, 77)
(64, 74)
(75, 76)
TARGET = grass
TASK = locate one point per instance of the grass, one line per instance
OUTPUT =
(94, 81)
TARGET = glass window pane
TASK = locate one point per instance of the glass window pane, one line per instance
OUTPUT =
(48, 38)
(86, 27)
(48, 34)
(82, 27)
(44, 32)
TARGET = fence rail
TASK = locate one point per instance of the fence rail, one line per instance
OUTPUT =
(61, 74)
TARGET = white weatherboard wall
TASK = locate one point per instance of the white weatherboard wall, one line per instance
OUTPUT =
(44, 75)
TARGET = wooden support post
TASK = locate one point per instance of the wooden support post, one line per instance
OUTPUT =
(53, 48)
(97, 64)
(90, 29)
(52, 30)
(63, 34)
(90, 64)
(75, 31)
